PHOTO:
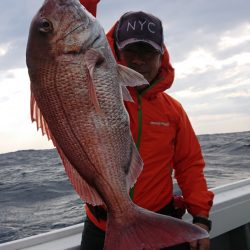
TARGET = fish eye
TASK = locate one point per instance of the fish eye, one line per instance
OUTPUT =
(45, 26)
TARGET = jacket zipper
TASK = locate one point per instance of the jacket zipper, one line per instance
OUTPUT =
(139, 115)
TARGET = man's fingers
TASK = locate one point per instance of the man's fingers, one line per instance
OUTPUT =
(202, 244)
(193, 245)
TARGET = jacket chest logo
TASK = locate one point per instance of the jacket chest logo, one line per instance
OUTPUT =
(157, 123)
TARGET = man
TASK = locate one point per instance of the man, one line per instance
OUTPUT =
(161, 131)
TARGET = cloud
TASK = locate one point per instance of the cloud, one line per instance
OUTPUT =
(208, 43)
(201, 61)
(197, 62)
(245, 93)
(236, 37)
(15, 20)
(4, 48)
(222, 65)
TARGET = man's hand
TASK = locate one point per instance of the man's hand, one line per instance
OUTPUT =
(203, 244)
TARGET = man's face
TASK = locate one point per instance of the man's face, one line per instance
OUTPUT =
(142, 58)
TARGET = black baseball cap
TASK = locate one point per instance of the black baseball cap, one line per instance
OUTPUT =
(139, 26)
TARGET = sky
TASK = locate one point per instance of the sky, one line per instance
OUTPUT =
(209, 46)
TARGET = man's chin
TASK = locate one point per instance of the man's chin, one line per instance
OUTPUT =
(142, 87)
(146, 76)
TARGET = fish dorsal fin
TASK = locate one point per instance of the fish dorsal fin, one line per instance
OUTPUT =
(84, 190)
(37, 116)
(91, 59)
(136, 166)
(130, 78)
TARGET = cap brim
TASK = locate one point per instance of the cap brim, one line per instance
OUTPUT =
(122, 45)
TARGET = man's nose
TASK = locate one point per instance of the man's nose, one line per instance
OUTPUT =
(138, 59)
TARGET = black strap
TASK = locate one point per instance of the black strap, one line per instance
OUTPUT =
(99, 212)
(203, 221)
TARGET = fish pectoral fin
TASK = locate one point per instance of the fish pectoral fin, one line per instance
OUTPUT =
(130, 77)
(92, 59)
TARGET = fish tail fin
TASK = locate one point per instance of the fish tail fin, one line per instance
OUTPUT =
(148, 230)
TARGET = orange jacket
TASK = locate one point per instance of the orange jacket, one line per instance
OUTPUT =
(167, 142)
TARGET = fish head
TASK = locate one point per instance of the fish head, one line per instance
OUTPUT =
(61, 27)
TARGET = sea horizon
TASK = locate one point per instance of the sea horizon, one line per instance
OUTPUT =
(52, 147)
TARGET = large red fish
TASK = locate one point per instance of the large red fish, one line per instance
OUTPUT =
(77, 94)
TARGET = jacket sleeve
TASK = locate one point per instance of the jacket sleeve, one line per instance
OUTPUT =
(90, 5)
(189, 165)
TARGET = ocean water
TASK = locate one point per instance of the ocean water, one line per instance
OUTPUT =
(36, 196)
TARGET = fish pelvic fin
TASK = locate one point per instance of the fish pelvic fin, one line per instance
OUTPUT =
(92, 58)
(131, 78)
(148, 230)
(136, 166)
(126, 95)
